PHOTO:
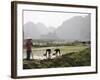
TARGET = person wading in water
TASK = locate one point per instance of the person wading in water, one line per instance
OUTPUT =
(28, 48)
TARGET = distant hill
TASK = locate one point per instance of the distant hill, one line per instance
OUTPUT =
(76, 28)
(31, 30)
(38, 31)
(51, 29)
(50, 36)
(42, 28)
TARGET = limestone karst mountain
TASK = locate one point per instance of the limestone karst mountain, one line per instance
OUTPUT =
(75, 28)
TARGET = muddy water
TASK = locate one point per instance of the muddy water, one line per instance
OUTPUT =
(37, 55)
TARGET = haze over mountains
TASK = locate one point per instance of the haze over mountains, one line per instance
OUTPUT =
(76, 28)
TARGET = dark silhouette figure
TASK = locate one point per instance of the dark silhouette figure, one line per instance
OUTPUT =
(48, 53)
(29, 48)
(57, 52)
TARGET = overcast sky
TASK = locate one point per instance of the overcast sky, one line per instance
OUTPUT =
(49, 19)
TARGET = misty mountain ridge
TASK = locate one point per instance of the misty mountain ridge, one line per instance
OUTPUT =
(75, 28)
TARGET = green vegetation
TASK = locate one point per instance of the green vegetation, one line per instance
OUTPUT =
(49, 43)
(72, 59)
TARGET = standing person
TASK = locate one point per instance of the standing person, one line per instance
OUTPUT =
(29, 48)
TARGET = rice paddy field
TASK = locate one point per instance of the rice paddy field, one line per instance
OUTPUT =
(71, 56)
(37, 53)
